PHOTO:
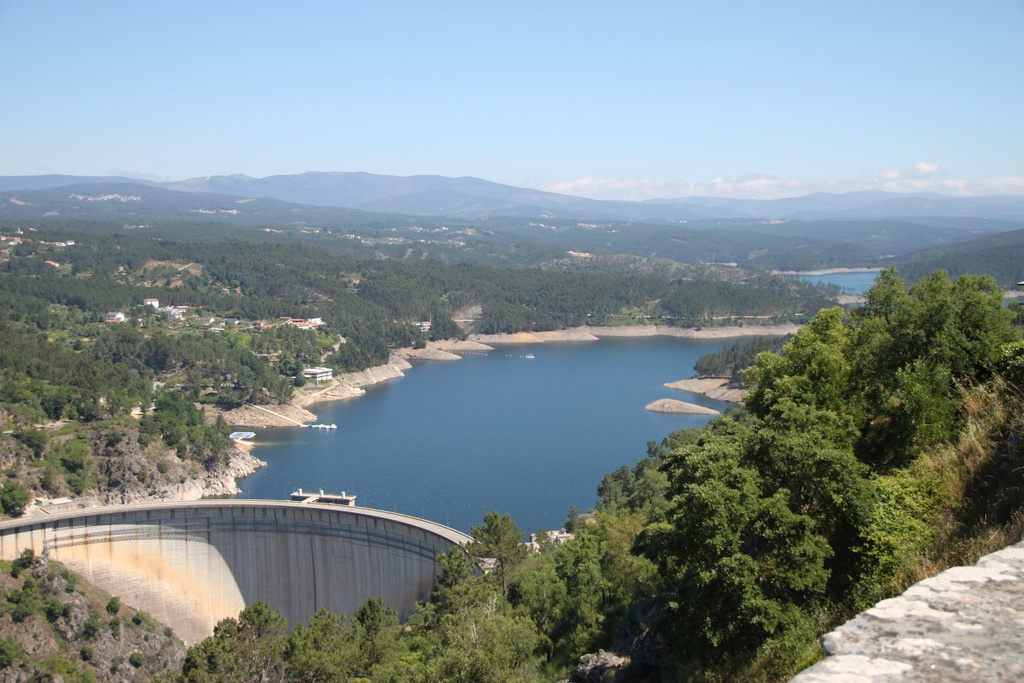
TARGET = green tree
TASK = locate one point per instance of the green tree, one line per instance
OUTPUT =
(321, 651)
(375, 630)
(249, 648)
(484, 641)
(499, 539)
(14, 498)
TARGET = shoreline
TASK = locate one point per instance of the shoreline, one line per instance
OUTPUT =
(717, 388)
(581, 334)
(827, 271)
(353, 384)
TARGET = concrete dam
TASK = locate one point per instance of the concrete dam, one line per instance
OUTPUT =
(192, 564)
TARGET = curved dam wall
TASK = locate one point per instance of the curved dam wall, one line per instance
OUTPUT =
(192, 564)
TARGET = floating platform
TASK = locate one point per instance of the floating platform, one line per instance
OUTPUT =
(321, 497)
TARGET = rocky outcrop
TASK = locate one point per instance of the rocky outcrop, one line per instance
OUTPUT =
(592, 667)
(125, 485)
(221, 483)
(962, 625)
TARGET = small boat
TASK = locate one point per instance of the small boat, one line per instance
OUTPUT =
(530, 356)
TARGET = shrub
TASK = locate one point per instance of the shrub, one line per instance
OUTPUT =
(114, 606)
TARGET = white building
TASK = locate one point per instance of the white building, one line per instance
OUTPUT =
(318, 374)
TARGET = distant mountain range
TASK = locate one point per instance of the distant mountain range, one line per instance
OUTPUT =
(473, 198)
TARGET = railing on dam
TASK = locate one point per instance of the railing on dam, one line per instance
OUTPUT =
(192, 564)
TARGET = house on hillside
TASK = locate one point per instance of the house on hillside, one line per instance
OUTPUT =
(318, 374)
(114, 318)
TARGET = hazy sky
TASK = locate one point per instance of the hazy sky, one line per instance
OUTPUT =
(602, 99)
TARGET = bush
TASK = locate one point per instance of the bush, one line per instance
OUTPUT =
(8, 651)
(14, 498)
(135, 659)
(114, 606)
(91, 628)
(27, 560)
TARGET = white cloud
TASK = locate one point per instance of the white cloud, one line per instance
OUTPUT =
(922, 169)
(924, 176)
(926, 169)
(748, 186)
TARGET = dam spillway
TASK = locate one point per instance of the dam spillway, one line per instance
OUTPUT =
(192, 564)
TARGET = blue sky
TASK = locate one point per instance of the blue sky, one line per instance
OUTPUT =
(603, 99)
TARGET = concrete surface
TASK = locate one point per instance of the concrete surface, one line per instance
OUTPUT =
(965, 624)
(192, 564)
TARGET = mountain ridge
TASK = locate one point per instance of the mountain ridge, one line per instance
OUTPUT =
(468, 197)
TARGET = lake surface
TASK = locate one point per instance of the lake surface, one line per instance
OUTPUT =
(453, 440)
(851, 283)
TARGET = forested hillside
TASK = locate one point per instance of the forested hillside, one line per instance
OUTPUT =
(877, 448)
(828, 232)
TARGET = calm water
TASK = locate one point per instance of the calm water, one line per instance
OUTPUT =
(851, 283)
(497, 431)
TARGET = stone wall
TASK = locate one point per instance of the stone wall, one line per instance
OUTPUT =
(965, 624)
(192, 564)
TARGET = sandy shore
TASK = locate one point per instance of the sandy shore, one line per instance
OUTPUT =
(713, 387)
(827, 271)
(448, 349)
(272, 415)
(670, 405)
(578, 334)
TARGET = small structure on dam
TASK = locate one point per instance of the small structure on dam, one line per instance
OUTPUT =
(192, 564)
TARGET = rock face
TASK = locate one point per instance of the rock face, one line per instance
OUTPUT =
(963, 625)
(207, 484)
(670, 405)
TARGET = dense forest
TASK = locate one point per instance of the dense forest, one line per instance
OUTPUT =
(732, 361)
